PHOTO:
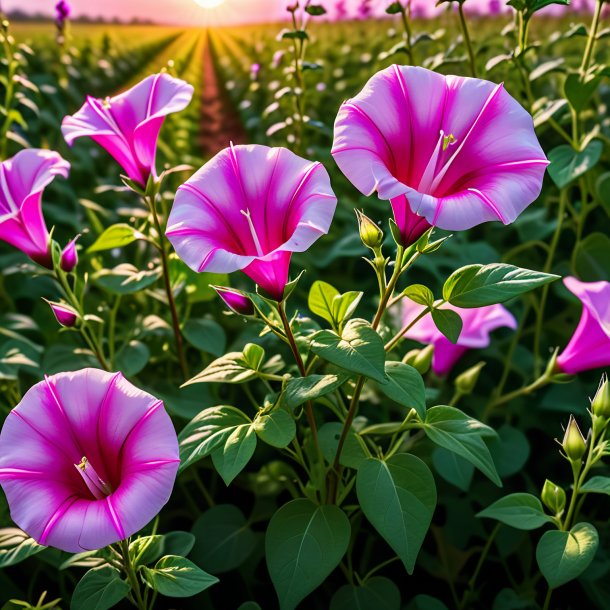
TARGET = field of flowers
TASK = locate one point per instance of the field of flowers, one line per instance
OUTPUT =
(308, 315)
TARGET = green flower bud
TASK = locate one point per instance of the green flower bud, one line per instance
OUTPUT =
(420, 359)
(370, 234)
(600, 405)
(465, 382)
(553, 497)
(574, 443)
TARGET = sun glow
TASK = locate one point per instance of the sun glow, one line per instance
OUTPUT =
(209, 3)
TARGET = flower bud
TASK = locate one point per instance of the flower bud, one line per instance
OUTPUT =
(235, 300)
(600, 405)
(370, 234)
(553, 497)
(420, 359)
(466, 381)
(574, 443)
(69, 256)
(66, 316)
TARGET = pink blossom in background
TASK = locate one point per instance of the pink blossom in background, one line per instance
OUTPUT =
(249, 208)
(64, 314)
(62, 11)
(478, 323)
(460, 151)
(23, 178)
(589, 347)
(86, 459)
(128, 125)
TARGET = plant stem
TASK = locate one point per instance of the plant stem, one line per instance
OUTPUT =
(407, 26)
(395, 340)
(467, 41)
(586, 60)
(131, 576)
(168, 289)
(532, 387)
(297, 356)
(547, 599)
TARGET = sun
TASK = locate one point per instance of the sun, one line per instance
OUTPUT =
(209, 3)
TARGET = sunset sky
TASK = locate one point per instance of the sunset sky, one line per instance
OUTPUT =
(189, 12)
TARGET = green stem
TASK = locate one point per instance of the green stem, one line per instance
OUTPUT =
(500, 400)
(9, 90)
(586, 60)
(397, 338)
(563, 198)
(547, 599)
(132, 576)
(168, 289)
(112, 330)
(467, 41)
(407, 26)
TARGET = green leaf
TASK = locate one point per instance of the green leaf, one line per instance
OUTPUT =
(224, 539)
(344, 305)
(394, 8)
(315, 10)
(563, 556)
(420, 294)
(116, 236)
(519, 510)
(398, 497)
(448, 322)
(377, 593)
(125, 279)
(597, 485)
(232, 457)
(354, 449)
(536, 5)
(602, 188)
(359, 349)
(206, 335)
(179, 543)
(177, 577)
(590, 258)
(453, 468)
(301, 389)
(303, 545)
(320, 300)
(567, 164)
(450, 428)
(99, 589)
(510, 450)
(208, 431)
(132, 357)
(15, 546)
(481, 285)
(276, 428)
(579, 93)
(146, 549)
(425, 602)
(405, 386)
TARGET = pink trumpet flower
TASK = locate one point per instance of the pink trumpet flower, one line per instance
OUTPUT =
(477, 325)
(589, 347)
(86, 459)
(128, 125)
(65, 315)
(235, 300)
(249, 208)
(23, 178)
(69, 256)
(456, 151)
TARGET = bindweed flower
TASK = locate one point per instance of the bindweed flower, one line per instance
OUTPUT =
(370, 234)
(23, 178)
(600, 405)
(477, 322)
(574, 443)
(66, 316)
(86, 459)
(69, 256)
(235, 300)
(249, 208)
(278, 56)
(589, 347)
(128, 125)
(447, 151)
(62, 11)
(255, 68)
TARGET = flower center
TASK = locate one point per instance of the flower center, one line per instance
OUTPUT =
(431, 177)
(96, 485)
(257, 243)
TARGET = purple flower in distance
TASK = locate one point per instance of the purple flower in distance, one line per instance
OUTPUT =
(589, 347)
(62, 11)
(128, 125)
(477, 325)
(86, 459)
(23, 178)
(456, 151)
(249, 208)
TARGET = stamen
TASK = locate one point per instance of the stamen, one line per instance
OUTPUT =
(257, 243)
(96, 485)
(448, 141)
(428, 175)
(106, 103)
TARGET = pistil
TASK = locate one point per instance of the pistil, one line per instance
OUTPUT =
(257, 243)
(96, 485)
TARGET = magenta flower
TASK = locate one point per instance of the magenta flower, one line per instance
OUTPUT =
(235, 300)
(589, 347)
(23, 178)
(477, 326)
(456, 151)
(249, 208)
(255, 68)
(86, 459)
(62, 11)
(69, 256)
(64, 314)
(128, 125)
